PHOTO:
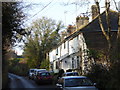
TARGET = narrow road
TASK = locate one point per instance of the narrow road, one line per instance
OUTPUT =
(19, 82)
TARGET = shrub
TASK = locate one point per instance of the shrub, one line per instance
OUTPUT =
(61, 71)
(100, 75)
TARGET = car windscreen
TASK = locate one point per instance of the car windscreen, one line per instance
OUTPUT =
(72, 74)
(41, 70)
(45, 74)
(31, 70)
(74, 82)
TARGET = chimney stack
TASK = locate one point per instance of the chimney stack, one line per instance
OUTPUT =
(71, 29)
(81, 21)
(94, 11)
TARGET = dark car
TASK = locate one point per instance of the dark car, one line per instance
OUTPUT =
(44, 77)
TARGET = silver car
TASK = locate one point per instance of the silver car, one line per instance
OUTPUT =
(75, 83)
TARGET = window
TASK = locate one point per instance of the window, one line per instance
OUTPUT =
(74, 82)
(31, 70)
(45, 74)
(64, 45)
(78, 62)
(68, 46)
(57, 51)
(72, 63)
(57, 65)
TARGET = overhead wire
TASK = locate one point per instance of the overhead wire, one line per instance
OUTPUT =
(40, 10)
(49, 7)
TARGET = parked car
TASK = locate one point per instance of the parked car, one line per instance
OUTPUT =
(31, 73)
(44, 77)
(36, 71)
(70, 74)
(75, 83)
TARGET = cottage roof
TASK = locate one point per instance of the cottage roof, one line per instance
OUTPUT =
(94, 26)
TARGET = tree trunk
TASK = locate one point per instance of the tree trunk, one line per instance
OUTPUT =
(109, 27)
(118, 38)
(101, 24)
(107, 35)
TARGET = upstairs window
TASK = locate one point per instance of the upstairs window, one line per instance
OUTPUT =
(57, 51)
(64, 45)
(78, 62)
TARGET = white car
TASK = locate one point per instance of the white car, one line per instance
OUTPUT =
(75, 83)
(31, 73)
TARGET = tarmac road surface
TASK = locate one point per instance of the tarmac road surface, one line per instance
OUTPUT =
(20, 82)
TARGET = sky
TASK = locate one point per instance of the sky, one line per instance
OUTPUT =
(56, 9)
(59, 10)
(64, 10)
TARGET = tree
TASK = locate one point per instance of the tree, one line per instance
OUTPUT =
(117, 49)
(32, 52)
(113, 53)
(12, 20)
(44, 37)
(108, 33)
(45, 64)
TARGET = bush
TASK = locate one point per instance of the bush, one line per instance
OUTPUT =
(100, 75)
(55, 78)
(17, 68)
(114, 81)
(61, 71)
